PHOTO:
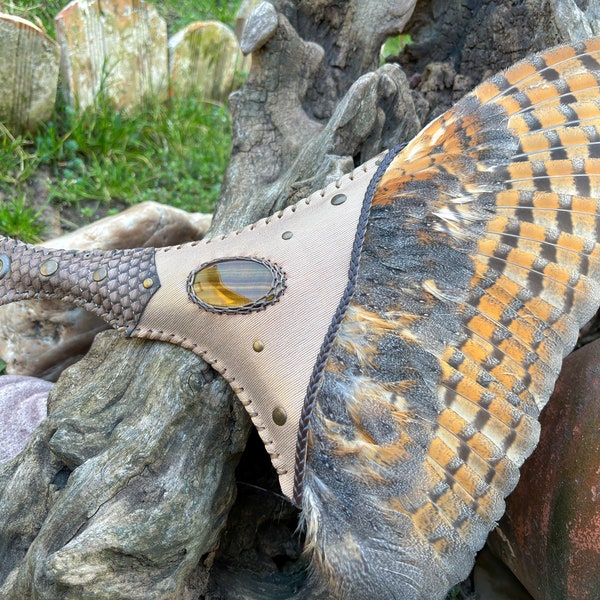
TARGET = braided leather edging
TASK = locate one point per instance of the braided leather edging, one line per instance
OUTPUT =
(315, 379)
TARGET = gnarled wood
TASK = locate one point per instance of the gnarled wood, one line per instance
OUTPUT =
(123, 492)
(124, 489)
(120, 481)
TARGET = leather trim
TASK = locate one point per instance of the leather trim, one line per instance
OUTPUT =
(315, 380)
(119, 295)
(312, 242)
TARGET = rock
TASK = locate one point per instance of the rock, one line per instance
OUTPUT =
(246, 7)
(202, 61)
(118, 48)
(43, 337)
(29, 62)
(145, 224)
(550, 534)
(22, 409)
(259, 28)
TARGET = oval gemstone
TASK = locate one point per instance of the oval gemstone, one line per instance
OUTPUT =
(234, 283)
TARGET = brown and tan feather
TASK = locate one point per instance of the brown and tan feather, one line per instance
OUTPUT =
(480, 263)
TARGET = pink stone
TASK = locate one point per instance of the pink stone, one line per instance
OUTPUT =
(550, 534)
(22, 409)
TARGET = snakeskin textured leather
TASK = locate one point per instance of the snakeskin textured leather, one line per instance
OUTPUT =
(116, 293)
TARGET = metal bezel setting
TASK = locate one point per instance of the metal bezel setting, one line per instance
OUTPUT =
(273, 296)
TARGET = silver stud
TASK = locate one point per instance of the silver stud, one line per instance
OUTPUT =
(49, 268)
(99, 274)
(339, 199)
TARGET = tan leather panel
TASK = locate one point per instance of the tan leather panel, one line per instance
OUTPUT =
(315, 261)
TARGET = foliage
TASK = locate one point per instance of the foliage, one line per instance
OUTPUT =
(20, 221)
(394, 46)
(174, 152)
(177, 13)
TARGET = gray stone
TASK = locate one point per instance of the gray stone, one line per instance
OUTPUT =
(118, 48)
(202, 61)
(29, 62)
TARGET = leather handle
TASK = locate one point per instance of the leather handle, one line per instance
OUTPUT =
(114, 284)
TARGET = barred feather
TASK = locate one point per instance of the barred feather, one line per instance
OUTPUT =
(484, 237)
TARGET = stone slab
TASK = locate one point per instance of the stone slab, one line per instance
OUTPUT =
(29, 62)
(202, 61)
(118, 47)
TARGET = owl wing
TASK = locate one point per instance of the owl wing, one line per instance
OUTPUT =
(479, 266)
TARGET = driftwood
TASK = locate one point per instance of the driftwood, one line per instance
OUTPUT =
(126, 490)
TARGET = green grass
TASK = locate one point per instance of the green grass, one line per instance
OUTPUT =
(180, 13)
(175, 152)
(177, 13)
(21, 221)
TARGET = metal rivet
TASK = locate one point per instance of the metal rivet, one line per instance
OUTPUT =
(148, 282)
(4, 264)
(279, 416)
(339, 199)
(99, 274)
(49, 268)
(258, 346)
(287, 235)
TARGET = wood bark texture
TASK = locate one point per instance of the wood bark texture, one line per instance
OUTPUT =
(127, 490)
